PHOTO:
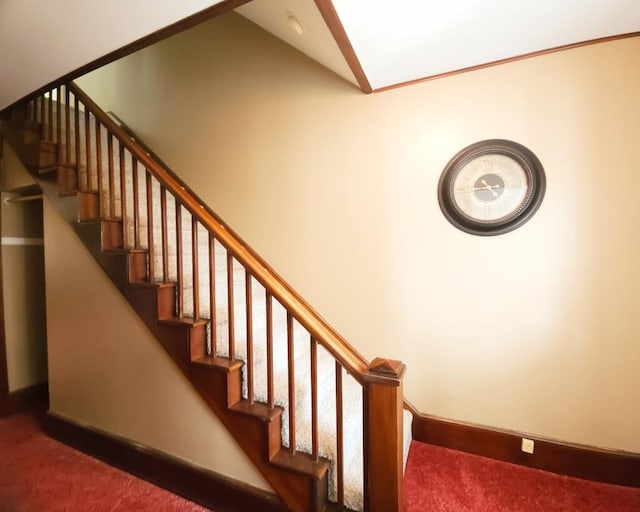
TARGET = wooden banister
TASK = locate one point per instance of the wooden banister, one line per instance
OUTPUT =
(340, 349)
(164, 192)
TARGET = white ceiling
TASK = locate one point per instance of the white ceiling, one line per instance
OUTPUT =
(402, 40)
(42, 40)
(395, 41)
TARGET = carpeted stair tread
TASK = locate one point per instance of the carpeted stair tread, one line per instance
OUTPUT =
(48, 169)
(257, 409)
(153, 284)
(218, 362)
(124, 250)
(185, 320)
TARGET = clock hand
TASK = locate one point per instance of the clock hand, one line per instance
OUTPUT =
(490, 187)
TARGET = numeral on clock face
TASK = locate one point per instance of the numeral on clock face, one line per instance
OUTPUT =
(488, 164)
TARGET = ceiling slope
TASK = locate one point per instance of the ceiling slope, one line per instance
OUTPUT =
(407, 40)
(43, 41)
(376, 44)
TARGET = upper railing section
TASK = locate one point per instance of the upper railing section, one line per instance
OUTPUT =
(349, 358)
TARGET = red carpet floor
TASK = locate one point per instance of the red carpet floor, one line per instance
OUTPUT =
(442, 480)
(38, 474)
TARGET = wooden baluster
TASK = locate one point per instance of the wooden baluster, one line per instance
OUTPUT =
(43, 114)
(212, 295)
(67, 122)
(339, 435)
(87, 143)
(123, 196)
(136, 203)
(292, 384)
(112, 184)
(249, 311)
(149, 198)
(383, 432)
(230, 307)
(314, 397)
(50, 115)
(269, 310)
(76, 124)
(41, 117)
(180, 274)
(165, 234)
(194, 268)
(59, 122)
(99, 164)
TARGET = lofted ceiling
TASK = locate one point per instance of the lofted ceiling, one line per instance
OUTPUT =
(406, 40)
(372, 43)
(41, 41)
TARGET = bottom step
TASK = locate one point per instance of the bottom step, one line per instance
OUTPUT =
(301, 463)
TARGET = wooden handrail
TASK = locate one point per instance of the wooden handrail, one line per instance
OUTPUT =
(321, 331)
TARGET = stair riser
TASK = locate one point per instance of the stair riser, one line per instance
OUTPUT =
(68, 183)
(111, 235)
(137, 265)
(218, 386)
(88, 208)
(152, 302)
(21, 131)
(40, 155)
(177, 340)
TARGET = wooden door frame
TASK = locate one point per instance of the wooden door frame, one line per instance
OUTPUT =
(5, 403)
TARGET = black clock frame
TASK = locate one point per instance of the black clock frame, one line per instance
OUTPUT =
(524, 156)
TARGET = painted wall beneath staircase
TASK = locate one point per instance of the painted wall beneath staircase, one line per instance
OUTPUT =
(107, 371)
(535, 330)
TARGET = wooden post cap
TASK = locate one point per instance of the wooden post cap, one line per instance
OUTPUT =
(385, 371)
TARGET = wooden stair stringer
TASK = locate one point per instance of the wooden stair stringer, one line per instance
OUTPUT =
(299, 481)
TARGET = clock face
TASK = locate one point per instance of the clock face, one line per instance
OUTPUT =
(491, 187)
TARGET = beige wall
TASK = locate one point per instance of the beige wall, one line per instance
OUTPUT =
(22, 279)
(534, 330)
(107, 370)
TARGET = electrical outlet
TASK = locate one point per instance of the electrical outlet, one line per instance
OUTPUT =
(527, 445)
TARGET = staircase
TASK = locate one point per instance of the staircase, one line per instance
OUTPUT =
(223, 315)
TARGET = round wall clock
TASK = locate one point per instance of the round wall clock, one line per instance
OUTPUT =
(491, 187)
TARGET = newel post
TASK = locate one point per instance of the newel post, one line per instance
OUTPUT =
(383, 403)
